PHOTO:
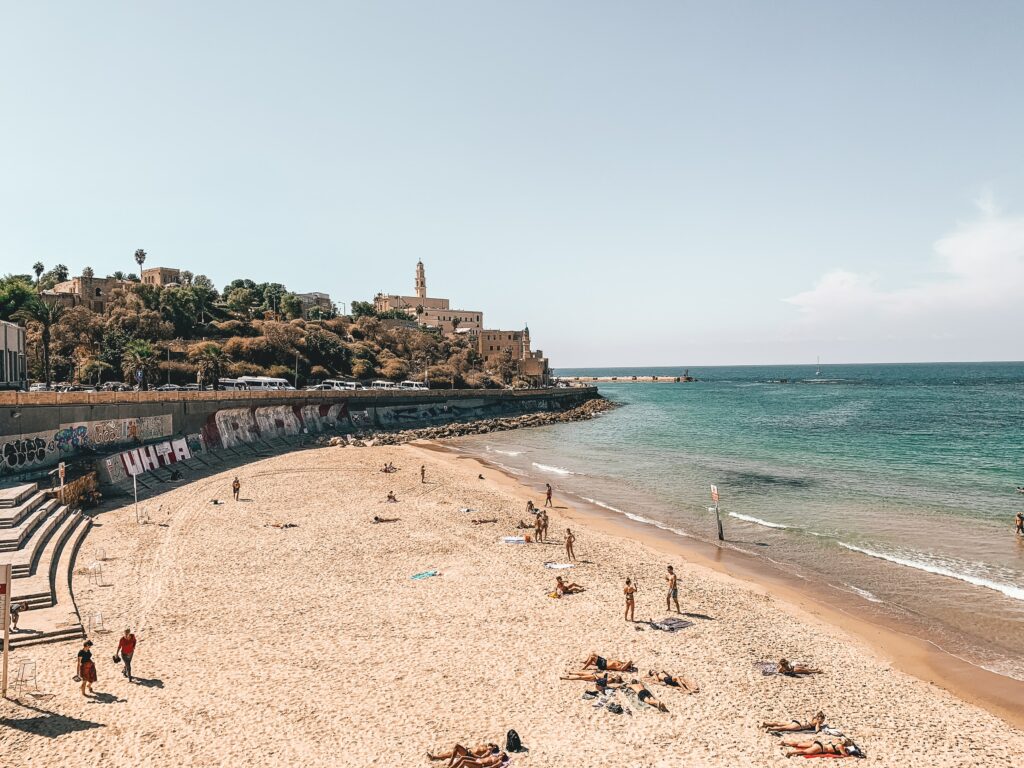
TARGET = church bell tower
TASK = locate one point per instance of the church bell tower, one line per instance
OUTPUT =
(421, 281)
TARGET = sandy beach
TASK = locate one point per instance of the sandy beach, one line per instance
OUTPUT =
(312, 646)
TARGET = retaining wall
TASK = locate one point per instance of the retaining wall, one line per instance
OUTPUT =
(126, 433)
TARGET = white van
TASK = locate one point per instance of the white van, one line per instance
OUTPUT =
(264, 382)
(343, 385)
(231, 384)
(413, 385)
(381, 384)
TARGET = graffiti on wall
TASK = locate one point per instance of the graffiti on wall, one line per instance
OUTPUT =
(26, 452)
(148, 457)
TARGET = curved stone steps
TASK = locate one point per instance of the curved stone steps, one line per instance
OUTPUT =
(11, 539)
(25, 560)
(12, 497)
(12, 517)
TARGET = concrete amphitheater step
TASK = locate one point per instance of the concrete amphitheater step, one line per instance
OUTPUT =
(26, 561)
(12, 539)
(12, 497)
(11, 517)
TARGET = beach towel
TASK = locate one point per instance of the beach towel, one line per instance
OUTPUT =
(670, 624)
(554, 595)
(424, 575)
(766, 667)
(558, 565)
(513, 539)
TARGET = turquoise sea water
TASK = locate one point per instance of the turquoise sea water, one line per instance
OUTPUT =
(893, 483)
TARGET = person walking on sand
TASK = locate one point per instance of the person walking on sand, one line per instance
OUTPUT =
(629, 592)
(85, 670)
(235, 488)
(423, 473)
(673, 590)
(547, 496)
(126, 649)
(538, 528)
(570, 539)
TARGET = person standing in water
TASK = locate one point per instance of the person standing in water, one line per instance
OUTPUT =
(1020, 523)
(547, 497)
(629, 592)
(673, 590)
(235, 488)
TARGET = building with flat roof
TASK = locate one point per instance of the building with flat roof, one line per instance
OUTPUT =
(315, 301)
(493, 345)
(431, 312)
(91, 292)
(161, 276)
(13, 363)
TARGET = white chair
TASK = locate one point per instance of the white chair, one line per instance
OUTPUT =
(96, 626)
(96, 573)
(101, 554)
(25, 677)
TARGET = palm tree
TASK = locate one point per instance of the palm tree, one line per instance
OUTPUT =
(88, 273)
(210, 361)
(45, 315)
(140, 257)
(139, 358)
(38, 268)
(119, 275)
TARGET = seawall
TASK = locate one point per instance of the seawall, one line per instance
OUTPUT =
(128, 433)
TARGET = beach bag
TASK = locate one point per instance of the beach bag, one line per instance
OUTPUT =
(117, 659)
(513, 743)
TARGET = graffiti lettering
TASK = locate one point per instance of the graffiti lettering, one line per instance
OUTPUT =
(21, 453)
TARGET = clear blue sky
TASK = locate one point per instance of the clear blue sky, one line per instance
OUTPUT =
(643, 182)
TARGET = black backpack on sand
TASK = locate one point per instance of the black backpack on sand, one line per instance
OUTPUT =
(513, 743)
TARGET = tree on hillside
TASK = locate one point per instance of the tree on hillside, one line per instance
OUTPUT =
(241, 300)
(186, 277)
(119, 275)
(506, 366)
(94, 367)
(15, 292)
(140, 257)
(44, 315)
(38, 268)
(210, 361)
(291, 306)
(88, 273)
(139, 363)
(51, 277)
(362, 309)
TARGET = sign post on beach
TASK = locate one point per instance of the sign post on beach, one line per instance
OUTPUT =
(60, 471)
(718, 517)
(5, 594)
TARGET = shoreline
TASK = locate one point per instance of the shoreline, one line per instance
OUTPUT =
(998, 694)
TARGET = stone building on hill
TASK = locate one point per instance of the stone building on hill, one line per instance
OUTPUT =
(91, 292)
(161, 276)
(431, 312)
(495, 345)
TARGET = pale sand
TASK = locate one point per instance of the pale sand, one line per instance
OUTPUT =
(311, 646)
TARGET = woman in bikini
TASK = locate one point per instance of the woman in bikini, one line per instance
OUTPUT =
(603, 664)
(786, 668)
(673, 681)
(561, 588)
(839, 746)
(570, 539)
(629, 591)
(480, 750)
(645, 696)
(816, 724)
(487, 761)
(593, 677)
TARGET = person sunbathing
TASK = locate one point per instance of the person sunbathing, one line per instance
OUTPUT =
(524, 526)
(816, 724)
(377, 519)
(487, 761)
(392, 499)
(604, 664)
(593, 677)
(786, 668)
(561, 588)
(645, 696)
(673, 681)
(839, 746)
(480, 750)
(481, 522)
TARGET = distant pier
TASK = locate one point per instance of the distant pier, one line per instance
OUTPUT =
(685, 379)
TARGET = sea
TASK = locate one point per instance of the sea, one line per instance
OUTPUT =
(895, 485)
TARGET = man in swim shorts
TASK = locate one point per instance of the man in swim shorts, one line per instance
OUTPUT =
(673, 590)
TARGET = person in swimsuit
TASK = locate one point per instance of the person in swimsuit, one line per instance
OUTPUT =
(481, 522)
(544, 524)
(235, 488)
(561, 588)
(673, 681)
(629, 591)
(593, 677)
(839, 746)
(538, 529)
(480, 750)
(392, 498)
(1020, 523)
(786, 668)
(487, 761)
(570, 539)
(85, 669)
(816, 724)
(604, 664)
(547, 496)
(673, 590)
(645, 696)
(530, 509)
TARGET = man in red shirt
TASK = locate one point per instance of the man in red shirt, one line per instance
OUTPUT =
(126, 649)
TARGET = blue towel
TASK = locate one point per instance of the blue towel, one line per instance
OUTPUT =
(424, 575)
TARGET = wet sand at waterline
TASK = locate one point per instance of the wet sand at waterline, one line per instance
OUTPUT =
(311, 646)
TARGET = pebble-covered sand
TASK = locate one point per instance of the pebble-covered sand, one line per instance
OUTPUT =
(311, 645)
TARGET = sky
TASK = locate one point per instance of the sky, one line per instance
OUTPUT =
(644, 183)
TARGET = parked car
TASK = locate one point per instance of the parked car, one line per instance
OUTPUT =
(381, 384)
(191, 388)
(169, 388)
(413, 385)
(343, 384)
(319, 387)
(39, 386)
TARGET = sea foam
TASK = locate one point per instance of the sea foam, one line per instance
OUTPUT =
(757, 520)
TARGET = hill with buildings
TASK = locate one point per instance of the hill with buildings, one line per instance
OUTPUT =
(168, 325)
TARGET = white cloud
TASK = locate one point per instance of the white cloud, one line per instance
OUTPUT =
(976, 287)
